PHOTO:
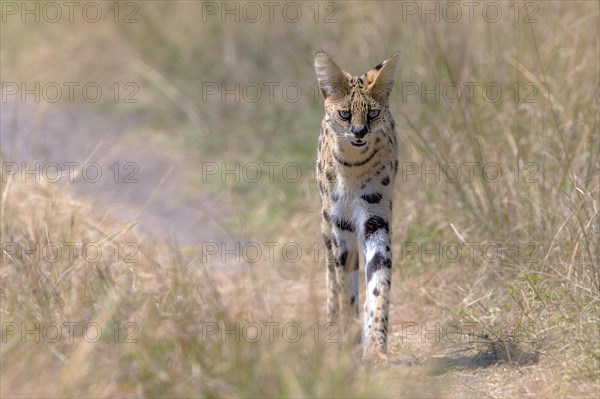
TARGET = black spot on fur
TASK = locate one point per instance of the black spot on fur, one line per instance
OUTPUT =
(378, 66)
(335, 197)
(377, 262)
(326, 215)
(341, 261)
(372, 198)
(375, 223)
(359, 163)
(344, 225)
(352, 300)
(327, 241)
(330, 175)
(385, 181)
(375, 291)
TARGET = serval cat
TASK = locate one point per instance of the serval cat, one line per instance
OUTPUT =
(356, 167)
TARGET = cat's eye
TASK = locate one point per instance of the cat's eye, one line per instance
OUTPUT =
(374, 113)
(345, 115)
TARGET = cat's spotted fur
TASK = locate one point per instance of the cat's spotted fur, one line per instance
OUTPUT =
(356, 166)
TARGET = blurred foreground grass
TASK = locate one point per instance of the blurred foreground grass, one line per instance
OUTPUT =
(542, 134)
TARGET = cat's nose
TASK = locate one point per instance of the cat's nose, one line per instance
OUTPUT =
(359, 131)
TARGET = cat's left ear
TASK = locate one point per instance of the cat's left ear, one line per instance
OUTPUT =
(382, 77)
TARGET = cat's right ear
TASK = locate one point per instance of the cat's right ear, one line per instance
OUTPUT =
(332, 80)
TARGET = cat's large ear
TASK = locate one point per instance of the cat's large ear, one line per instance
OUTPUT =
(332, 80)
(382, 77)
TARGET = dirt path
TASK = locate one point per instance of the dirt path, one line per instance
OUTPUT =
(132, 173)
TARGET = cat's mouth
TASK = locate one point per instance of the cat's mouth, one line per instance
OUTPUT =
(358, 143)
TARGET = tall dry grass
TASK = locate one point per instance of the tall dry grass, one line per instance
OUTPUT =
(542, 210)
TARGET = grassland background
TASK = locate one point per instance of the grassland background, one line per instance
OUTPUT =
(170, 52)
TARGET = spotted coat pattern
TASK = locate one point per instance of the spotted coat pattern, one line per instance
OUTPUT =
(356, 166)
